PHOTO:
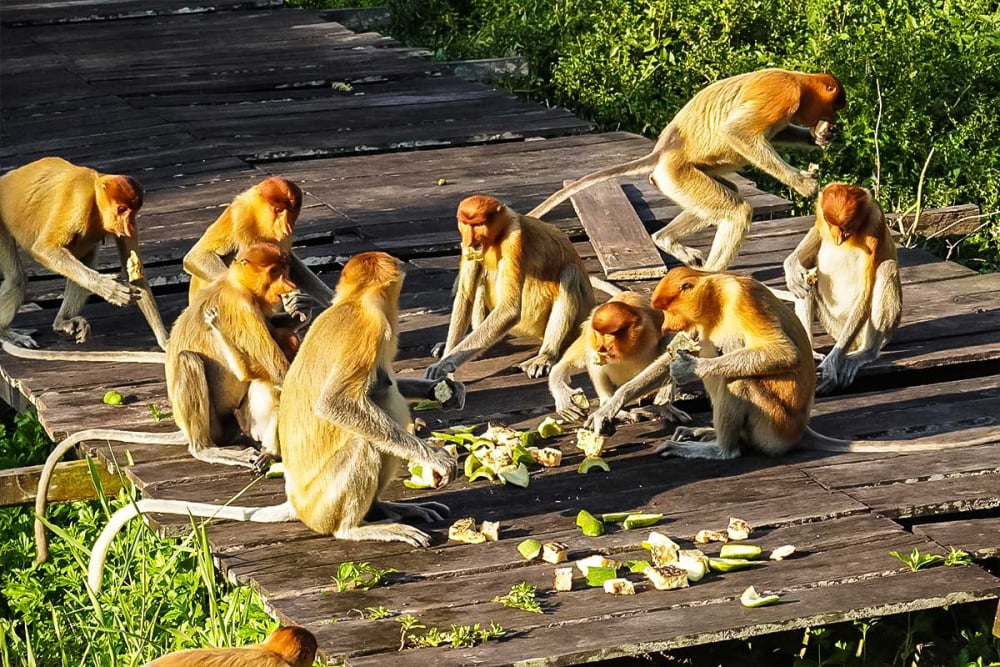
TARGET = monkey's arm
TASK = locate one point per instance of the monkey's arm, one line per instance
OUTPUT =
(147, 303)
(742, 134)
(59, 259)
(204, 260)
(253, 340)
(237, 362)
(650, 379)
(798, 263)
(337, 405)
(308, 281)
(469, 277)
(767, 358)
(573, 360)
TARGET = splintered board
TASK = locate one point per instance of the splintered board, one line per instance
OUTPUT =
(623, 246)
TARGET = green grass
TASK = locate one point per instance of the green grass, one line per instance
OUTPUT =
(159, 595)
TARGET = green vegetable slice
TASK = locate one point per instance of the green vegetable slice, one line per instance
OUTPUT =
(596, 576)
(530, 549)
(729, 564)
(516, 475)
(751, 598)
(589, 524)
(549, 428)
(113, 398)
(746, 551)
(637, 566)
(641, 521)
(615, 517)
(592, 462)
(426, 404)
(277, 469)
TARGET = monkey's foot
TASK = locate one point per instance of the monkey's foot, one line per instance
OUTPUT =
(688, 256)
(263, 462)
(438, 350)
(537, 366)
(688, 433)
(245, 458)
(427, 512)
(77, 328)
(838, 376)
(818, 356)
(20, 337)
(708, 449)
(386, 532)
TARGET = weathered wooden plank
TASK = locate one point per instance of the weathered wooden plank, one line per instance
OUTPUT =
(979, 537)
(70, 482)
(622, 244)
(615, 635)
(940, 496)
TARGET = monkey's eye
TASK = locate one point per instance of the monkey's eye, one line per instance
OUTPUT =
(122, 210)
(830, 88)
(686, 286)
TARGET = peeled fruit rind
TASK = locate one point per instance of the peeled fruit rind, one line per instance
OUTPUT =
(591, 443)
(667, 577)
(548, 457)
(641, 521)
(748, 551)
(554, 552)
(694, 562)
(589, 524)
(706, 536)
(549, 428)
(782, 552)
(751, 598)
(464, 530)
(516, 475)
(491, 529)
(738, 529)
(580, 400)
(530, 549)
(591, 462)
(442, 392)
(729, 564)
(615, 517)
(619, 587)
(563, 579)
(597, 560)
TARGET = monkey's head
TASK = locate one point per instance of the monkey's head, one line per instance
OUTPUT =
(119, 198)
(296, 646)
(616, 330)
(279, 204)
(688, 300)
(481, 221)
(843, 207)
(371, 271)
(822, 96)
(263, 270)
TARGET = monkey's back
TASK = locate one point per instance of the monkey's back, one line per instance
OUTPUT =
(220, 657)
(43, 192)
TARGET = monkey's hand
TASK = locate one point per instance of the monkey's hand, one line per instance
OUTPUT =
(807, 182)
(798, 279)
(76, 328)
(116, 293)
(683, 369)
(211, 316)
(298, 304)
(602, 420)
(571, 405)
(443, 463)
(654, 412)
(438, 350)
(824, 134)
(440, 370)
(457, 399)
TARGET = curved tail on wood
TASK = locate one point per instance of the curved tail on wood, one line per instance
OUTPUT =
(605, 286)
(69, 355)
(42, 494)
(638, 167)
(823, 443)
(268, 514)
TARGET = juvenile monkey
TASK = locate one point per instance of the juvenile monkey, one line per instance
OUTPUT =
(724, 127)
(756, 364)
(343, 424)
(264, 213)
(858, 294)
(59, 213)
(290, 646)
(219, 348)
(620, 339)
(517, 274)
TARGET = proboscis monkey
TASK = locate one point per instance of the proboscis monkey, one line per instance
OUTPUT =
(724, 127)
(343, 424)
(291, 646)
(756, 365)
(519, 275)
(857, 292)
(59, 213)
(620, 339)
(264, 213)
(220, 348)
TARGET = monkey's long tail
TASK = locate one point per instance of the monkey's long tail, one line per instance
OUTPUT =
(68, 355)
(637, 167)
(823, 443)
(42, 494)
(269, 514)
(605, 286)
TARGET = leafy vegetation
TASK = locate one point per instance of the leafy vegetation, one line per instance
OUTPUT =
(351, 576)
(23, 441)
(459, 636)
(919, 75)
(916, 560)
(521, 596)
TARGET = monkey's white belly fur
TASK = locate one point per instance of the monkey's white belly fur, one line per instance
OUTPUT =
(838, 296)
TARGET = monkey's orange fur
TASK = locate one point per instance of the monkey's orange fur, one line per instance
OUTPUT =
(290, 646)
(755, 356)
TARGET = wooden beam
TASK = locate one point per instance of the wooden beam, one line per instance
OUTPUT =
(623, 246)
(70, 482)
(947, 221)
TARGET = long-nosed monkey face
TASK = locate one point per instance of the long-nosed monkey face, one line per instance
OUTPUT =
(480, 223)
(676, 296)
(119, 199)
(843, 207)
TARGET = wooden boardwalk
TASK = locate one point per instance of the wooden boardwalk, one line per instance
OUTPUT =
(200, 100)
